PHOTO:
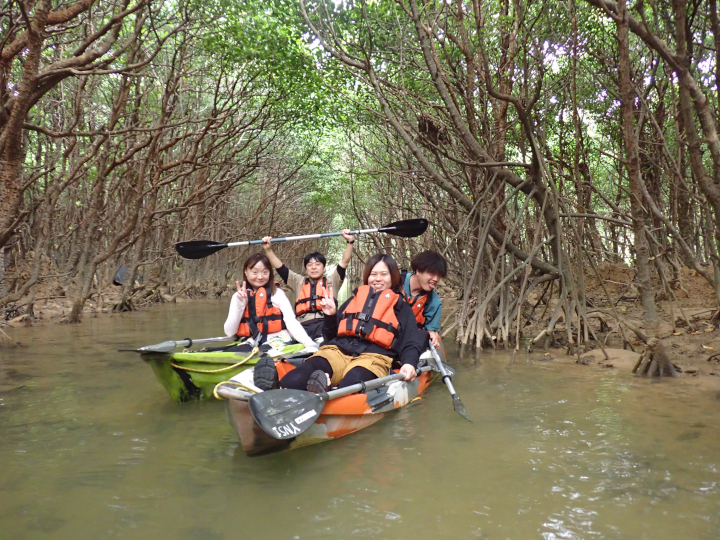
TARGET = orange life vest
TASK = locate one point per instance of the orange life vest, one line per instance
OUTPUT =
(260, 316)
(417, 303)
(371, 315)
(308, 299)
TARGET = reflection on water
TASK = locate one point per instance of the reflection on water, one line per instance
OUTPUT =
(92, 447)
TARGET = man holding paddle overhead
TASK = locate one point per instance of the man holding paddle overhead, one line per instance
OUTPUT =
(308, 290)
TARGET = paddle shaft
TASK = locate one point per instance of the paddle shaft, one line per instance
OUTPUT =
(447, 379)
(190, 342)
(302, 237)
(370, 385)
(198, 249)
(443, 372)
(168, 346)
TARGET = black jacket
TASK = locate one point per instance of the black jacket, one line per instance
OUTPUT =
(406, 347)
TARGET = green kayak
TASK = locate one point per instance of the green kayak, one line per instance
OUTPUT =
(191, 376)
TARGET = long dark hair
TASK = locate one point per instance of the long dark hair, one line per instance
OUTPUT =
(261, 258)
(392, 266)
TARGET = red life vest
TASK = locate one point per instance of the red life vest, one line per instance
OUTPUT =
(371, 316)
(417, 303)
(260, 316)
(308, 299)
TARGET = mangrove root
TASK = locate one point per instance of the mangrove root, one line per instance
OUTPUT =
(654, 361)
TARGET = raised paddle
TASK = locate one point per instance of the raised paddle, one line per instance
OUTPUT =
(198, 249)
(446, 377)
(169, 346)
(284, 414)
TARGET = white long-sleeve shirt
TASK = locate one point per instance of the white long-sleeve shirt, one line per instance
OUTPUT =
(237, 308)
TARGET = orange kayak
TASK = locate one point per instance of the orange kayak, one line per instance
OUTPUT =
(339, 417)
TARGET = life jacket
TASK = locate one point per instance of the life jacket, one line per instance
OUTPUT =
(260, 316)
(308, 299)
(371, 316)
(417, 303)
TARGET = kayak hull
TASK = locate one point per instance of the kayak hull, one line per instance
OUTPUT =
(339, 417)
(192, 376)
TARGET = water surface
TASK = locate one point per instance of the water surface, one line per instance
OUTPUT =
(92, 447)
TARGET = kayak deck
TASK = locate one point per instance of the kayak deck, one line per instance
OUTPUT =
(192, 375)
(338, 418)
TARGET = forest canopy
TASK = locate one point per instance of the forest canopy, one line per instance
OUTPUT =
(541, 139)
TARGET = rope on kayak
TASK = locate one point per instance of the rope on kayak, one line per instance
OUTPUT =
(227, 368)
(233, 383)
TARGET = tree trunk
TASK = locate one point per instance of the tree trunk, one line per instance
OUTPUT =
(632, 165)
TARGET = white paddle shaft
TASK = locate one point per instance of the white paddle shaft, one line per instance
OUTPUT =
(302, 237)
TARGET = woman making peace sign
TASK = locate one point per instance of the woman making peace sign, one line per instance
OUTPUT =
(371, 330)
(259, 310)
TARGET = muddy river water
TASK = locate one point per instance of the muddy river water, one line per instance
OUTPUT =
(92, 447)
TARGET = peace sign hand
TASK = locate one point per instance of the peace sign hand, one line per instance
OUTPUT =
(328, 302)
(242, 292)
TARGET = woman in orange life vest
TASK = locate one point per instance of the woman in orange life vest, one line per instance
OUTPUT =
(362, 338)
(260, 310)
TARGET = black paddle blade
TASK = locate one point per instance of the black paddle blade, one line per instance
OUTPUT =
(408, 228)
(460, 408)
(198, 249)
(285, 414)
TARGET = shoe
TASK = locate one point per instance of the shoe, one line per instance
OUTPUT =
(265, 375)
(317, 383)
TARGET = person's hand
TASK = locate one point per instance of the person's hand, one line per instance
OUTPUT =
(242, 292)
(267, 243)
(347, 236)
(434, 338)
(328, 302)
(409, 372)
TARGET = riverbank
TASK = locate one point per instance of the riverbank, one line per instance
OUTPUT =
(689, 326)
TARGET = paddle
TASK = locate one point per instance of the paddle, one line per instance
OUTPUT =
(169, 346)
(284, 414)
(198, 249)
(446, 377)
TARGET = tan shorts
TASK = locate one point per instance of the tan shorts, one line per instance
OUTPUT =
(340, 363)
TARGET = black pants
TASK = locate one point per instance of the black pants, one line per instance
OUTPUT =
(297, 379)
(314, 327)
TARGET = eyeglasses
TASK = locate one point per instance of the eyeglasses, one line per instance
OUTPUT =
(258, 273)
(379, 275)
